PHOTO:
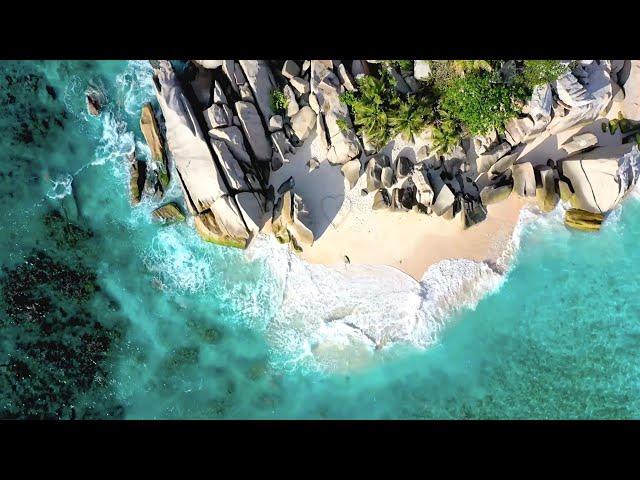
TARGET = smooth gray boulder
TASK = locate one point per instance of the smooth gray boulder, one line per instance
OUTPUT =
(503, 165)
(230, 166)
(387, 177)
(275, 123)
(300, 84)
(351, 172)
(524, 180)
(346, 79)
(485, 162)
(254, 131)
(290, 69)
(218, 116)
(494, 194)
(595, 178)
(422, 70)
(540, 106)
(234, 139)
(381, 200)
(303, 122)
(404, 167)
(518, 129)
(260, 78)
(546, 193)
(578, 143)
(218, 95)
(424, 191)
(292, 103)
(209, 64)
(444, 200)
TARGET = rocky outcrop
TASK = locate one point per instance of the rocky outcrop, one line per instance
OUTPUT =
(493, 194)
(303, 122)
(582, 220)
(259, 76)
(486, 160)
(595, 178)
(286, 223)
(207, 189)
(351, 172)
(254, 131)
(168, 213)
(540, 106)
(546, 193)
(578, 143)
(524, 180)
(151, 132)
(343, 144)
(583, 99)
(137, 178)
(422, 70)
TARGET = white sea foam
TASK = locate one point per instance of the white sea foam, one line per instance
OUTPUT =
(60, 186)
(345, 316)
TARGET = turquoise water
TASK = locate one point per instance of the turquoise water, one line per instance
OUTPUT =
(118, 317)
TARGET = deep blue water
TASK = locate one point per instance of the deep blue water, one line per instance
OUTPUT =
(120, 317)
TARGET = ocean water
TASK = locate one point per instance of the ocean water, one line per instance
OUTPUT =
(106, 314)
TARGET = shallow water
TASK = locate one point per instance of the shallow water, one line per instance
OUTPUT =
(198, 331)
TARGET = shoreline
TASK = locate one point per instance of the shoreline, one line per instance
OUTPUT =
(432, 240)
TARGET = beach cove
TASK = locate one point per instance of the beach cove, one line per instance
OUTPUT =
(212, 332)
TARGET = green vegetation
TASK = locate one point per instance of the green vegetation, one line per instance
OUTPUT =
(539, 72)
(480, 102)
(279, 101)
(461, 97)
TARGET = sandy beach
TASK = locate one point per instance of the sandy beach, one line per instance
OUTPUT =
(412, 242)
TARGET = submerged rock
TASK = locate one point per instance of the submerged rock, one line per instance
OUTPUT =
(583, 220)
(137, 178)
(168, 213)
(151, 132)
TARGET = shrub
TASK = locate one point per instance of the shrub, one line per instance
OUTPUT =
(479, 102)
(279, 101)
(539, 72)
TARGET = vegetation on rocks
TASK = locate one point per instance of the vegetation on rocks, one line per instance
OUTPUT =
(461, 97)
(539, 72)
(279, 101)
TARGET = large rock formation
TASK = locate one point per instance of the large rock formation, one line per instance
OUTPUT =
(343, 144)
(169, 212)
(596, 177)
(254, 130)
(287, 225)
(260, 78)
(524, 180)
(151, 133)
(582, 220)
(206, 187)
